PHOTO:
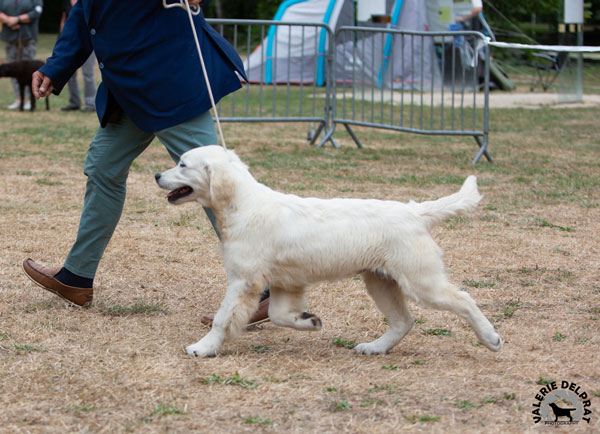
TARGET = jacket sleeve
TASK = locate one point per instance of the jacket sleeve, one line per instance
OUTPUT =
(36, 12)
(71, 50)
(204, 2)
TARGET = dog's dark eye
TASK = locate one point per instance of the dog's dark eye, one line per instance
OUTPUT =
(182, 165)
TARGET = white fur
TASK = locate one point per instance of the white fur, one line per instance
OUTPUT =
(289, 242)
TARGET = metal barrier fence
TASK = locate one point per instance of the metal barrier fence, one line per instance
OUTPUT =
(303, 72)
(273, 94)
(430, 83)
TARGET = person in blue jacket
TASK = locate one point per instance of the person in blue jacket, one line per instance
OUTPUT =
(152, 86)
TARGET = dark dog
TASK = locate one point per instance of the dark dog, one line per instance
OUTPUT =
(23, 71)
(558, 412)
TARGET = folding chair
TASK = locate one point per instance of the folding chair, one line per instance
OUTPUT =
(548, 67)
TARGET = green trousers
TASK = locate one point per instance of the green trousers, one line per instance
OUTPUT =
(109, 158)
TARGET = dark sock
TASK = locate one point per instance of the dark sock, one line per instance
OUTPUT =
(65, 277)
(265, 294)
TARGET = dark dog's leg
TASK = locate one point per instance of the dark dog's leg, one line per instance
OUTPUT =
(22, 93)
(32, 98)
(48, 103)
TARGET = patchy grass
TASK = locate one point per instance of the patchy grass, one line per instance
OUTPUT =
(235, 380)
(559, 337)
(544, 224)
(424, 418)
(339, 342)
(438, 332)
(167, 410)
(140, 308)
(339, 406)
(26, 348)
(527, 256)
(258, 420)
(465, 404)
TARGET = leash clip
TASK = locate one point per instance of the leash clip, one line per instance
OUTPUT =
(195, 10)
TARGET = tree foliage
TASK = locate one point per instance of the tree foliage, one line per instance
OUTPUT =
(242, 9)
(517, 11)
(547, 11)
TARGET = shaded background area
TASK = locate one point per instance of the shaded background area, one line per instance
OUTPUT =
(537, 18)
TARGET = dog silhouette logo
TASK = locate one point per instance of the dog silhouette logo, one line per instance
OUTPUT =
(563, 403)
(558, 412)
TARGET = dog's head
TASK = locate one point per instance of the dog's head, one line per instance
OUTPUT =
(203, 174)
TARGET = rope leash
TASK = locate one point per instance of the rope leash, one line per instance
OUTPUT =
(191, 12)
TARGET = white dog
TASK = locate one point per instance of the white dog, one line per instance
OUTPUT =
(289, 242)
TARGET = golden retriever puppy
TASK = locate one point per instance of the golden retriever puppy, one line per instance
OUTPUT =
(289, 242)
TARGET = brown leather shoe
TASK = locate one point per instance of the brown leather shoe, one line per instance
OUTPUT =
(261, 315)
(44, 277)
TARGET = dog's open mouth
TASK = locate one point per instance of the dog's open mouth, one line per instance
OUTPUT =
(179, 193)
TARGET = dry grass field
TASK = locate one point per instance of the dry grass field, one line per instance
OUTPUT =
(529, 256)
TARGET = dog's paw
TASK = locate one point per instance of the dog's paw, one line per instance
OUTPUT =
(369, 348)
(203, 348)
(308, 321)
(495, 343)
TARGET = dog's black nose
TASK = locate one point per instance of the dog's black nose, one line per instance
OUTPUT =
(157, 176)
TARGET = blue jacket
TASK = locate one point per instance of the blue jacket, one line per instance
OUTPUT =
(148, 60)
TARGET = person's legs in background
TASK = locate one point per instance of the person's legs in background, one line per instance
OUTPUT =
(27, 51)
(74, 97)
(89, 88)
(89, 84)
(12, 51)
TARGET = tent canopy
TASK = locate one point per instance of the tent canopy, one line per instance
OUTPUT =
(296, 54)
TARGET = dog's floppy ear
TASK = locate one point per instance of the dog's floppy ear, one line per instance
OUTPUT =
(222, 185)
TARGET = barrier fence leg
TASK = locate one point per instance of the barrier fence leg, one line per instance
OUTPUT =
(313, 135)
(482, 150)
(353, 135)
(328, 137)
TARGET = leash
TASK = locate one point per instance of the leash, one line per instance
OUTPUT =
(192, 11)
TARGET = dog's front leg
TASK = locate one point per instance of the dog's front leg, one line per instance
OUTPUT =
(240, 302)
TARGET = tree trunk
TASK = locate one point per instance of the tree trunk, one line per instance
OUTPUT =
(219, 8)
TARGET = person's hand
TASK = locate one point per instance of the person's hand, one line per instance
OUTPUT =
(13, 23)
(41, 85)
(195, 2)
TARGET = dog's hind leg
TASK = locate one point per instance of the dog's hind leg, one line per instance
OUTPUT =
(240, 302)
(286, 310)
(448, 297)
(431, 287)
(389, 300)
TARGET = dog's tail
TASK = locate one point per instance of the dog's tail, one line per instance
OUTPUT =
(465, 200)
